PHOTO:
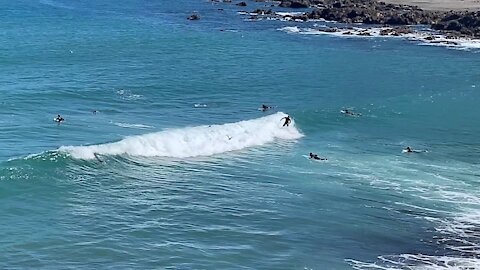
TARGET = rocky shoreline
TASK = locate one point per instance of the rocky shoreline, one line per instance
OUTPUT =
(454, 24)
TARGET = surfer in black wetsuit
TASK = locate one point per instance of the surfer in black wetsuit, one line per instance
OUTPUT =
(315, 156)
(97, 157)
(265, 108)
(59, 119)
(410, 150)
(287, 122)
(347, 112)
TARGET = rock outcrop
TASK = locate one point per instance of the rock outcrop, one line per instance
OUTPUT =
(459, 23)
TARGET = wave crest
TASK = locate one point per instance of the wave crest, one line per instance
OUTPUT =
(194, 141)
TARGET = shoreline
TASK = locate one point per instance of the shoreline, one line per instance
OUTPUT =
(458, 23)
(440, 5)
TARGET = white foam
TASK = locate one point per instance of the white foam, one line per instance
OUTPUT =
(128, 95)
(194, 141)
(127, 125)
(425, 38)
(291, 14)
(290, 29)
(417, 261)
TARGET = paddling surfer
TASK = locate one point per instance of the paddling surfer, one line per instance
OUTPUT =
(315, 156)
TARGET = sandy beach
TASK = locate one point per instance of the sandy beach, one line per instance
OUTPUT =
(441, 5)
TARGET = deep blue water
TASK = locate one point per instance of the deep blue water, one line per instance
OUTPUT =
(187, 191)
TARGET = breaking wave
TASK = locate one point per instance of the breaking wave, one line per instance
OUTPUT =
(194, 141)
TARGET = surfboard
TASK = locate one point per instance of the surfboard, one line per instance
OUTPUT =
(415, 151)
(264, 110)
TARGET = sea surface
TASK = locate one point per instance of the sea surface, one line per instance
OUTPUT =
(165, 162)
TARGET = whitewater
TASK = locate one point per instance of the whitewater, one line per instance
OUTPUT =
(195, 141)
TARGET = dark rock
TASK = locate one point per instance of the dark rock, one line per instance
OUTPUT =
(300, 4)
(367, 34)
(395, 20)
(469, 21)
(242, 4)
(303, 17)
(438, 26)
(352, 14)
(372, 12)
(264, 12)
(453, 26)
(450, 17)
(295, 3)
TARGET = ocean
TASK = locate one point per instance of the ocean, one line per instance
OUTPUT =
(164, 160)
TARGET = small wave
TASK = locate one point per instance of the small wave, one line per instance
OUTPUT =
(194, 141)
(127, 125)
(290, 29)
(128, 95)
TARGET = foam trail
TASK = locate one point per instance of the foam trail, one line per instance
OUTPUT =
(194, 141)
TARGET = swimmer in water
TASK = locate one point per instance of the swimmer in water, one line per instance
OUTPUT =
(348, 112)
(59, 119)
(410, 150)
(287, 122)
(265, 107)
(315, 156)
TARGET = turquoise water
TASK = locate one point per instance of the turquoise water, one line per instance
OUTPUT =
(179, 170)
